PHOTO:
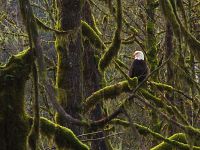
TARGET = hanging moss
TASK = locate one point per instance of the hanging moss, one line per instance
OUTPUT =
(91, 34)
(108, 92)
(157, 101)
(113, 50)
(13, 121)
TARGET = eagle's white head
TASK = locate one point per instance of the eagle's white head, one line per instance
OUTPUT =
(139, 55)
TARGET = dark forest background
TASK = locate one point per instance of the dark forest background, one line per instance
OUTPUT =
(64, 75)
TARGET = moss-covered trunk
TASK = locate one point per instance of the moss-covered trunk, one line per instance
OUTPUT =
(69, 67)
(91, 76)
(13, 121)
(151, 34)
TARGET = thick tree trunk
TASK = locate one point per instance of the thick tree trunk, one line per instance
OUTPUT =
(91, 76)
(14, 123)
(69, 52)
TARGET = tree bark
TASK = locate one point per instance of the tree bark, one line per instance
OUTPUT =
(69, 53)
(92, 78)
(13, 120)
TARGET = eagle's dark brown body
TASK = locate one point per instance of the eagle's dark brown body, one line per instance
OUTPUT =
(139, 69)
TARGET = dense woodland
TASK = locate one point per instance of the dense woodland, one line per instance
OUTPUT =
(64, 80)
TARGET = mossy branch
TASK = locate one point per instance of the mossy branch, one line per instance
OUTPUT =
(178, 27)
(162, 86)
(43, 26)
(94, 26)
(63, 137)
(170, 16)
(171, 142)
(177, 140)
(34, 41)
(169, 88)
(193, 43)
(113, 50)
(122, 64)
(131, 81)
(180, 137)
(193, 132)
(91, 34)
(108, 92)
(157, 101)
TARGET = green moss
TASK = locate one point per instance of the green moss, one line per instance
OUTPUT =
(193, 43)
(175, 141)
(107, 92)
(166, 146)
(162, 87)
(95, 26)
(64, 137)
(193, 132)
(47, 127)
(110, 53)
(113, 50)
(157, 101)
(120, 122)
(151, 35)
(131, 81)
(91, 34)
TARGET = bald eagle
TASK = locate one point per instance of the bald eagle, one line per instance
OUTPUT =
(139, 66)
